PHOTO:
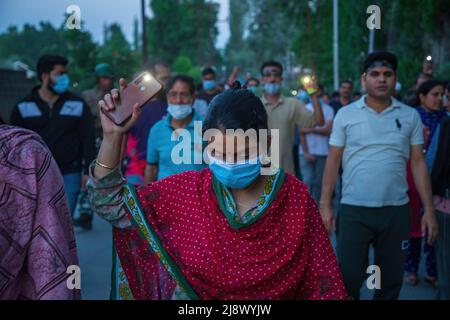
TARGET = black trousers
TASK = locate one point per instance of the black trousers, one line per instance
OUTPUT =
(387, 229)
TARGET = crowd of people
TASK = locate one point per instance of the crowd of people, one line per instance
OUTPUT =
(370, 167)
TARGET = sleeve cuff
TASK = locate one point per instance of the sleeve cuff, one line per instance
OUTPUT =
(110, 180)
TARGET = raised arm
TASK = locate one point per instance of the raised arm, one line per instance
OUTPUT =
(106, 181)
(111, 148)
(318, 113)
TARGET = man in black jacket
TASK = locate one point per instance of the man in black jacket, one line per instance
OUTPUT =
(63, 120)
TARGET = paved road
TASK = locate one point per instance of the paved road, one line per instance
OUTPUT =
(94, 253)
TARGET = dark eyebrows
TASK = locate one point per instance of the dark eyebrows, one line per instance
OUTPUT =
(374, 73)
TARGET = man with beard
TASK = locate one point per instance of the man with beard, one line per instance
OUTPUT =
(345, 96)
(63, 120)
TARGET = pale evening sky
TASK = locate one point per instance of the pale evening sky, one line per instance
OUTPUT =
(93, 12)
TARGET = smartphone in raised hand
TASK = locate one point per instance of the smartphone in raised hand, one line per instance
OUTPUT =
(140, 90)
(309, 83)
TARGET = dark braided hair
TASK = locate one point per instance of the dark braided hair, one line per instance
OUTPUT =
(236, 108)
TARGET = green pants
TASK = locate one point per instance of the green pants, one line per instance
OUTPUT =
(387, 229)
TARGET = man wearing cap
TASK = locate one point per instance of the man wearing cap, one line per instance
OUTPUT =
(104, 85)
(92, 97)
(374, 137)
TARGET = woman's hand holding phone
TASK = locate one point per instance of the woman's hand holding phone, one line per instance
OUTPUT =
(311, 88)
(109, 103)
(110, 151)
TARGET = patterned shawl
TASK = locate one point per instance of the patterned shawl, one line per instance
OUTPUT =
(37, 242)
(431, 120)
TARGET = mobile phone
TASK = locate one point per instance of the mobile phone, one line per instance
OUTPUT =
(310, 90)
(140, 90)
(308, 82)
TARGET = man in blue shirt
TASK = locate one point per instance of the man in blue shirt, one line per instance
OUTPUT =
(167, 144)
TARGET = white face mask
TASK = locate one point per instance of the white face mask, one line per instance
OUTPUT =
(179, 111)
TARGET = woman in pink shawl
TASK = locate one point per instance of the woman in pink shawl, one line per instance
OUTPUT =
(37, 243)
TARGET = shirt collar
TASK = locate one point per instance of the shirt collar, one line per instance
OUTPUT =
(267, 103)
(361, 103)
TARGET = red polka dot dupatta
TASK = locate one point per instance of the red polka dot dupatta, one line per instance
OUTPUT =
(189, 250)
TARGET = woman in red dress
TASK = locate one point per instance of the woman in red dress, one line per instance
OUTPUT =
(227, 232)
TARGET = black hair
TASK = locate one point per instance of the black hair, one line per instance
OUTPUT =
(236, 108)
(350, 82)
(271, 63)
(1, 120)
(47, 62)
(447, 86)
(182, 78)
(380, 56)
(427, 86)
(208, 70)
(251, 79)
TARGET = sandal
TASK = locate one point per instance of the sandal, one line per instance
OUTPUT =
(412, 279)
(431, 281)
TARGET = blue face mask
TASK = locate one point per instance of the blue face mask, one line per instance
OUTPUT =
(62, 83)
(209, 84)
(235, 176)
(303, 95)
(272, 88)
(179, 111)
(252, 88)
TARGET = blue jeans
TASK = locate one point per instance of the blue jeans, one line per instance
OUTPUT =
(72, 186)
(312, 174)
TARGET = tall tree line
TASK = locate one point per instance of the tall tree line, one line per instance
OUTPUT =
(410, 28)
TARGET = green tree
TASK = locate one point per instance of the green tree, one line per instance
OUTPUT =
(183, 28)
(236, 52)
(81, 52)
(183, 65)
(117, 52)
(410, 28)
(29, 43)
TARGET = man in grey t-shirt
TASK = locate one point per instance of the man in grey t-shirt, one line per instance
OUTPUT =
(374, 138)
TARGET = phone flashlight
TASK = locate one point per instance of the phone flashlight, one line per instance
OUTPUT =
(308, 83)
(306, 80)
(147, 77)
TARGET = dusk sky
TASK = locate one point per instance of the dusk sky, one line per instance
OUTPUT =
(93, 12)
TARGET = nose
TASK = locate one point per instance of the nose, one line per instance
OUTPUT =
(382, 78)
(178, 99)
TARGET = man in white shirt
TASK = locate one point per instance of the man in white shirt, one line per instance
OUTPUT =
(374, 138)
